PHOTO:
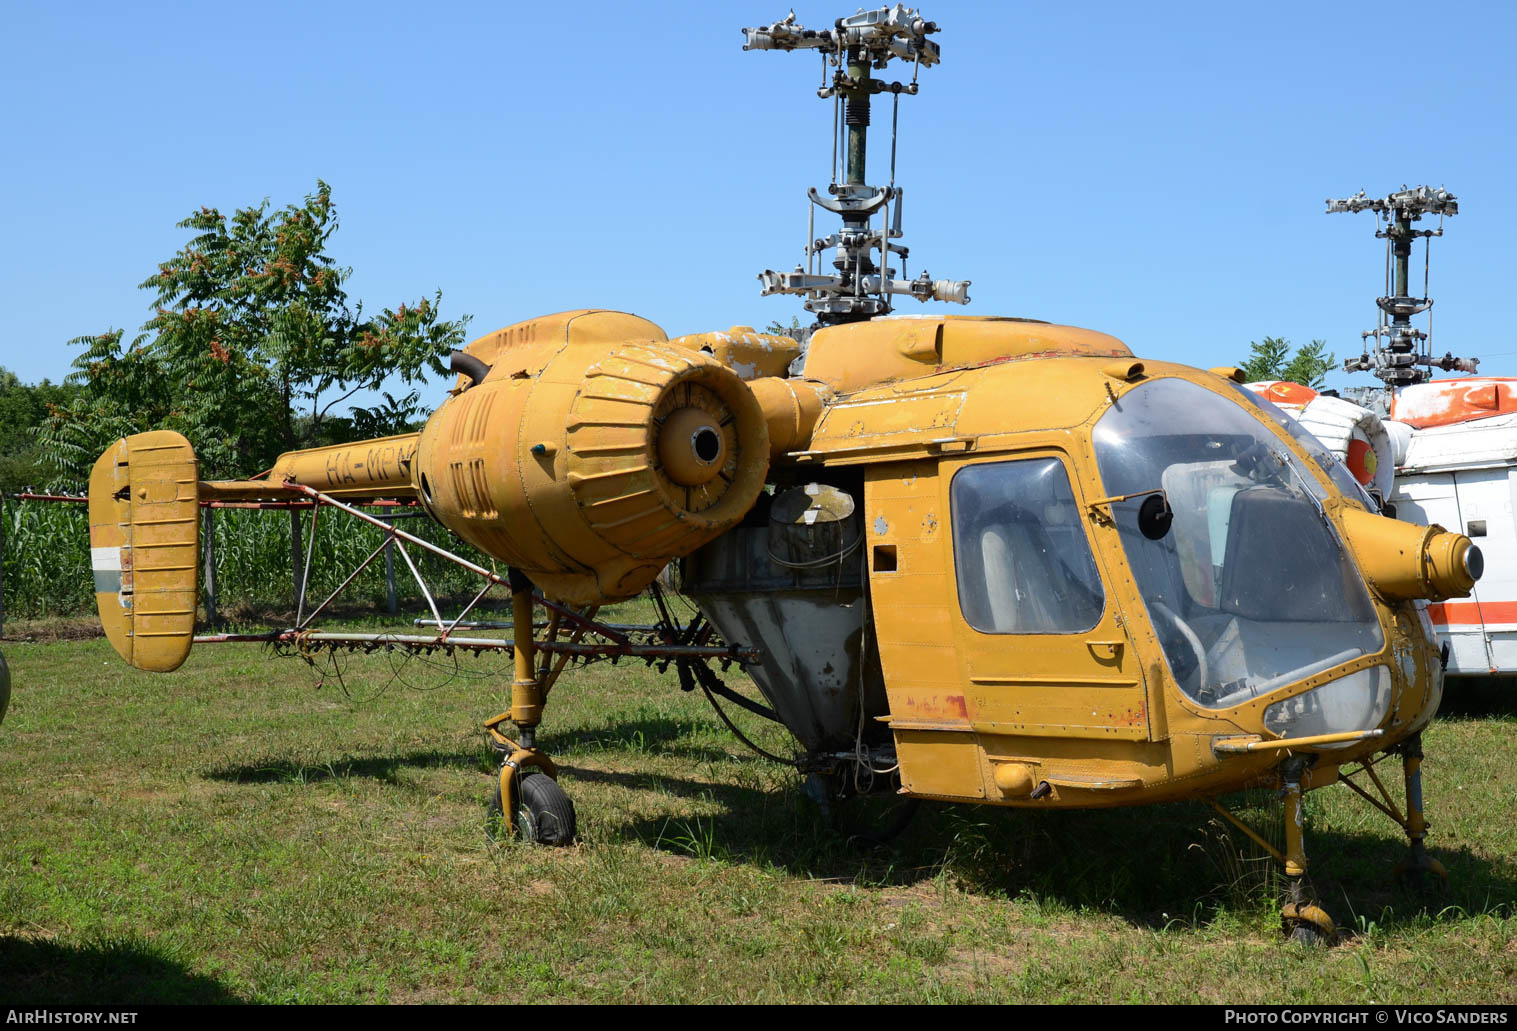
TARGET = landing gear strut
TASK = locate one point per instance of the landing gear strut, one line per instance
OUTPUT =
(527, 796)
(1418, 864)
(1414, 870)
(1301, 918)
(1303, 921)
(860, 797)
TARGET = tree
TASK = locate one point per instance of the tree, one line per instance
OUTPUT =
(1271, 360)
(251, 346)
(778, 328)
(23, 460)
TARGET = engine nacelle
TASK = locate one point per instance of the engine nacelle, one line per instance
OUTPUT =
(592, 453)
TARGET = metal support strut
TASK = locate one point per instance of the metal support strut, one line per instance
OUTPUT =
(1419, 862)
(1412, 822)
(526, 691)
(526, 705)
(1303, 920)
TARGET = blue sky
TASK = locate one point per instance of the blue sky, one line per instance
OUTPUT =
(1153, 171)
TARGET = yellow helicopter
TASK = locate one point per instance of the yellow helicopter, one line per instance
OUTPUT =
(964, 559)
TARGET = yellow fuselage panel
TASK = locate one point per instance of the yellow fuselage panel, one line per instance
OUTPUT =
(368, 469)
(959, 409)
(752, 355)
(864, 354)
(1097, 715)
(526, 347)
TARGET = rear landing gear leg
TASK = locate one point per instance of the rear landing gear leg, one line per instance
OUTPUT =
(869, 818)
(527, 798)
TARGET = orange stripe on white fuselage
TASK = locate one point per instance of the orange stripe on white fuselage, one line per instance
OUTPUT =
(1462, 614)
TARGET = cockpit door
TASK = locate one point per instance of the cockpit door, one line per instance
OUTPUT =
(1042, 644)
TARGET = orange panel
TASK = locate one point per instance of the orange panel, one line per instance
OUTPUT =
(1449, 401)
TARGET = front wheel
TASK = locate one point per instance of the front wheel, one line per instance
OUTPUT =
(869, 818)
(544, 811)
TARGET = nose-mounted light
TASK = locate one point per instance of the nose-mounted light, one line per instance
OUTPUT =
(1474, 562)
(1404, 560)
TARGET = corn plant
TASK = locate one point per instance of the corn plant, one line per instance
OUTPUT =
(47, 561)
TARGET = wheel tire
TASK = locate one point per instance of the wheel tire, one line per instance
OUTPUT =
(1308, 935)
(1308, 924)
(544, 812)
(873, 821)
(496, 829)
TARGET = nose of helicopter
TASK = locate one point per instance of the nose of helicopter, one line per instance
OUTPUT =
(1404, 560)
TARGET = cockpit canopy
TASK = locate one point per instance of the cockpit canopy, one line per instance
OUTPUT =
(1252, 589)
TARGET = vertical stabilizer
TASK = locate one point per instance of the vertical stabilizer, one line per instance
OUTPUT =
(145, 547)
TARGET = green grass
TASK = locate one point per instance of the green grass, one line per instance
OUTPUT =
(232, 832)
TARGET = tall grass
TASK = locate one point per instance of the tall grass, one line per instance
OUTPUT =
(47, 559)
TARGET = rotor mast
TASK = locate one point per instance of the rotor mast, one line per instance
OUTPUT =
(1404, 358)
(862, 283)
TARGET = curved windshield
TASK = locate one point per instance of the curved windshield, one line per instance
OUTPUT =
(1250, 590)
(1335, 469)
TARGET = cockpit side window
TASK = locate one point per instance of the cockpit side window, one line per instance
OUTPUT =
(1023, 562)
